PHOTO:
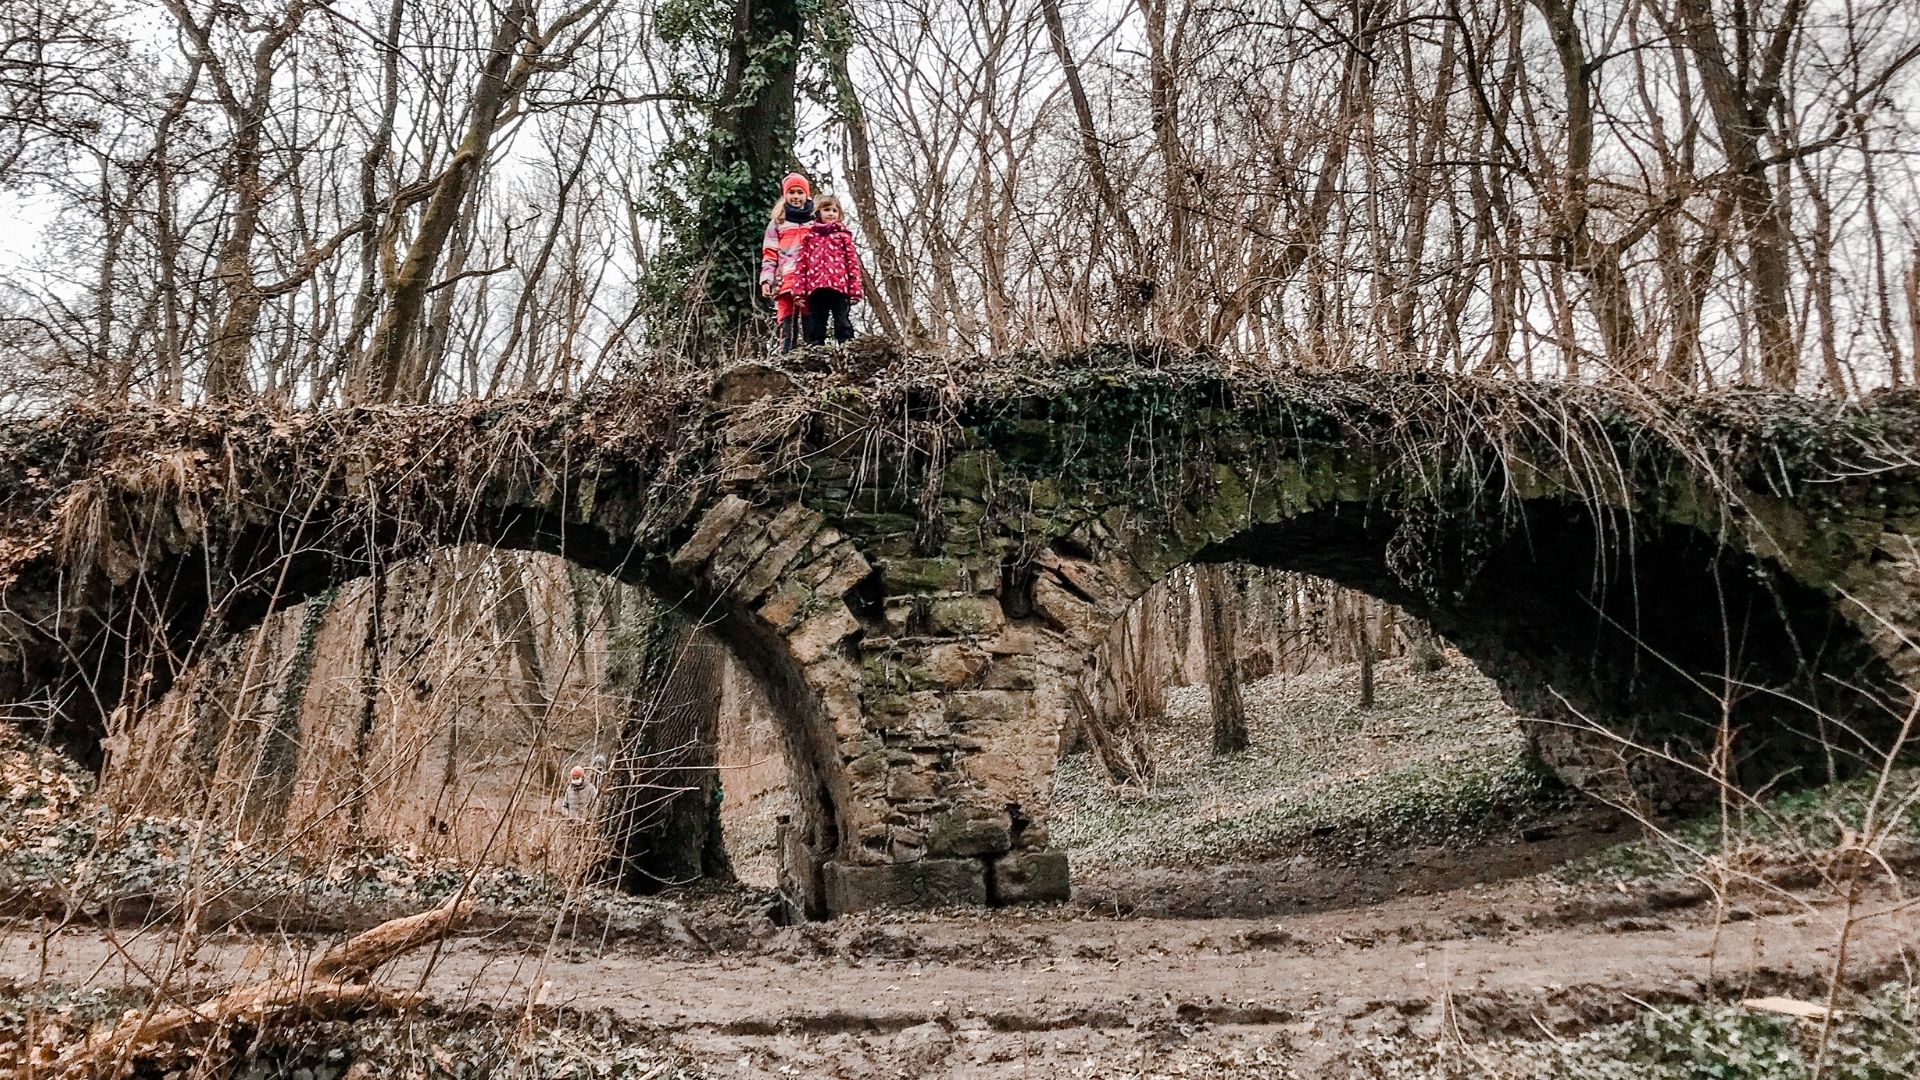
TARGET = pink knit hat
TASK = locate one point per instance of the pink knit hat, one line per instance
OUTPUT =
(795, 180)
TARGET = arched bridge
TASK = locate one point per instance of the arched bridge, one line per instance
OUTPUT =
(916, 568)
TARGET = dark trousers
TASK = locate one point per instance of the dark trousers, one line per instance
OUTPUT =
(824, 305)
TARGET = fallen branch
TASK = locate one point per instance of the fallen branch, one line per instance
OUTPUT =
(333, 986)
(358, 957)
(163, 1037)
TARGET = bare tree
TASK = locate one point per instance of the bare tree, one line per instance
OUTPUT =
(1211, 593)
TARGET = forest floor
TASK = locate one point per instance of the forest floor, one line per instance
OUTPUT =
(1387, 894)
(1333, 805)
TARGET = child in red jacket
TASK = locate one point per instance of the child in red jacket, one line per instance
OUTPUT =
(826, 274)
(778, 250)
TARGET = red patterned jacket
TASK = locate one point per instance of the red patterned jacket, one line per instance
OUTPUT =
(827, 261)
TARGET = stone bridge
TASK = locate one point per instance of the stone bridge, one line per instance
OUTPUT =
(915, 568)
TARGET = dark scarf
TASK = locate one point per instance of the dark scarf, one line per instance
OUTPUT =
(798, 215)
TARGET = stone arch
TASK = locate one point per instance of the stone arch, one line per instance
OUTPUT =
(185, 535)
(1615, 609)
(1604, 651)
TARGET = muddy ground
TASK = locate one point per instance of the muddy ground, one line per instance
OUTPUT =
(1370, 938)
(1079, 991)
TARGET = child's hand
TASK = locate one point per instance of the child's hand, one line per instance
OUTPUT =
(766, 288)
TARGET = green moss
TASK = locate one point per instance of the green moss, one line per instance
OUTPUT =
(966, 474)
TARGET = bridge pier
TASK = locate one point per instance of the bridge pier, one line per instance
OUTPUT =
(952, 762)
(929, 722)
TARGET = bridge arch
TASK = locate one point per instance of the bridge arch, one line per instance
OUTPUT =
(1621, 641)
(917, 568)
(1609, 560)
(141, 540)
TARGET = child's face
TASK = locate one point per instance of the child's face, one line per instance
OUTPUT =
(830, 214)
(796, 198)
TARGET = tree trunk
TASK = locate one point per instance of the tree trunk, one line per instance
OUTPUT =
(1427, 657)
(241, 295)
(389, 358)
(1178, 292)
(663, 793)
(1223, 672)
(1609, 295)
(1740, 102)
(515, 631)
(373, 651)
(751, 146)
(1122, 691)
(897, 307)
(1090, 142)
(1911, 283)
(1122, 754)
(1365, 648)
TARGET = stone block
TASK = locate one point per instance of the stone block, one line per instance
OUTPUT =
(1030, 877)
(812, 639)
(906, 845)
(971, 834)
(850, 568)
(975, 615)
(787, 534)
(1082, 576)
(920, 883)
(951, 666)
(985, 706)
(966, 474)
(715, 526)
(908, 575)
(899, 616)
(908, 783)
(786, 604)
(1075, 617)
(1009, 673)
(924, 714)
(746, 544)
(743, 384)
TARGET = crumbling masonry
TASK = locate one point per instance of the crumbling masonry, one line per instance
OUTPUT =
(916, 571)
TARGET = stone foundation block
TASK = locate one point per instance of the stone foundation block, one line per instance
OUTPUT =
(1030, 877)
(964, 834)
(921, 883)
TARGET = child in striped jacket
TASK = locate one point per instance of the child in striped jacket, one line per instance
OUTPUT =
(779, 249)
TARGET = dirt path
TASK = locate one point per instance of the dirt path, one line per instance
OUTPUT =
(1004, 994)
